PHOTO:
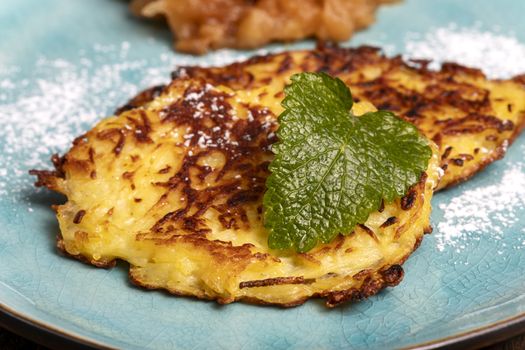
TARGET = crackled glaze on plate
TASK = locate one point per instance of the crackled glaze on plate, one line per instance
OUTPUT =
(64, 64)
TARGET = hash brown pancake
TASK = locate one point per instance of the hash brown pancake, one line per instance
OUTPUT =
(175, 188)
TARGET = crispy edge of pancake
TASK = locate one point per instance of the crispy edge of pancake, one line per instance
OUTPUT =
(497, 154)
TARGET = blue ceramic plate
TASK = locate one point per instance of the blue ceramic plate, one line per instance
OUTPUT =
(65, 63)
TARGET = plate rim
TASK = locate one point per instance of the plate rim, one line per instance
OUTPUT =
(44, 333)
(58, 338)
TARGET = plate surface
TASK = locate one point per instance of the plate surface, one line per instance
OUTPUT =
(66, 63)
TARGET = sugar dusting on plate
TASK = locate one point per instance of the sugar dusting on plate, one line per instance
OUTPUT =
(44, 108)
(486, 211)
(498, 55)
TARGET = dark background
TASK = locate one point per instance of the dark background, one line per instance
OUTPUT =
(10, 341)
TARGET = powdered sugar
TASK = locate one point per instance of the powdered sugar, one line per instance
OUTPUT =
(483, 212)
(498, 55)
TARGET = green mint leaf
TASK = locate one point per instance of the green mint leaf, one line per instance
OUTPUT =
(332, 169)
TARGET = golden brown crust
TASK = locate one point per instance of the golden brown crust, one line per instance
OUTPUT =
(388, 277)
(48, 178)
(141, 98)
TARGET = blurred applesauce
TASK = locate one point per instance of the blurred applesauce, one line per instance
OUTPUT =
(202, 25)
